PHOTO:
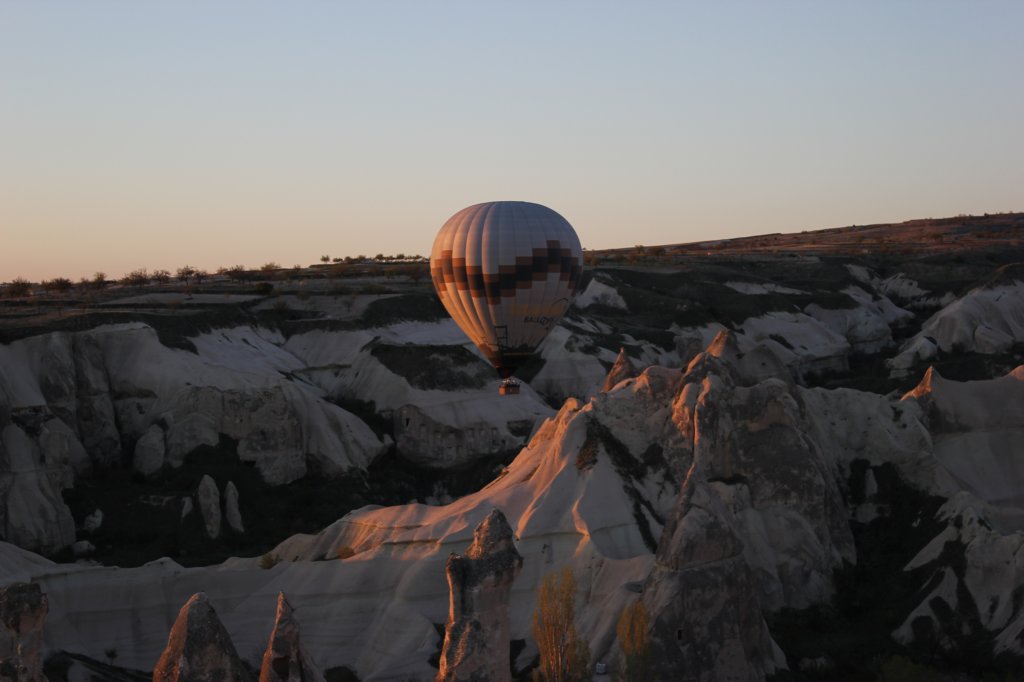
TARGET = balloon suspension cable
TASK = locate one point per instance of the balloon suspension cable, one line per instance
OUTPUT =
(509, 386)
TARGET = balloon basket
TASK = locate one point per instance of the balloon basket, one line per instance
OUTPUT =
(508, 387)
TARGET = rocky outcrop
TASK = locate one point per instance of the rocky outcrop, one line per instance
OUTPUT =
(622, 369)
(707, 621)
(23, 610)
(199, 648)
(231, 512)
(285, 659)
(33, 514)
(149, 451)
(476, 642)
(208, 500)
(985, 320)
(438, 443)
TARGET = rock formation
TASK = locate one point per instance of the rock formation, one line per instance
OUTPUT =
(231, 512)
(149, 451)
(23, 609)
(476, 641)
(208, 500)
(285, 659)
(199, 648)
(707, 622)
(622, 369)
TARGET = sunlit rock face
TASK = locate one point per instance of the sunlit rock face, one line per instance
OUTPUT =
(622, 369)
(199, 648)
(23, 609)
(285, 659)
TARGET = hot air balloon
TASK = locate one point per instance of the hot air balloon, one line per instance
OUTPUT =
(506, 271)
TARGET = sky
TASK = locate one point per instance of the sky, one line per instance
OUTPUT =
(158, 134)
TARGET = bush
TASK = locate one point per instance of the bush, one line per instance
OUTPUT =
(58, 284)
(19, 286)
(136, 278)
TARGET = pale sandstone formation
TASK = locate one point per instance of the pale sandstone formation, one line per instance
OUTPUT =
(476, 642)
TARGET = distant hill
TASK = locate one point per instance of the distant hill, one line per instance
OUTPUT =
(921, 236)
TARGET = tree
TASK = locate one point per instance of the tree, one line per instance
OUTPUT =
(58, 284)
(161, 276)
(185, 273)
(99, 280)
(270, 267)
(633, 630)
(19, 286)
(564, 657)
(136, 278)
(235, 272)
(325, 258)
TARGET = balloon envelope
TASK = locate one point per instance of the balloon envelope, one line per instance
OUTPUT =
(506, 271)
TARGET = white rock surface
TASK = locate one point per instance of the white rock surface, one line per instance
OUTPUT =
(762, 288)
(602, 293)
(985, 320)
(115, 382)
(435, 426)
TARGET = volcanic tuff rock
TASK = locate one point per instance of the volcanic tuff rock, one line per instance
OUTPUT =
(208, 499)
(438, 391)
(149, 451)
(622, 369)
(476, 641)
(707, 622)
(199, 648)
(32, 511)
(113, 384)
(285, 659)
(231, 512)
(594, 489)
(23, 609)
(985, 320)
